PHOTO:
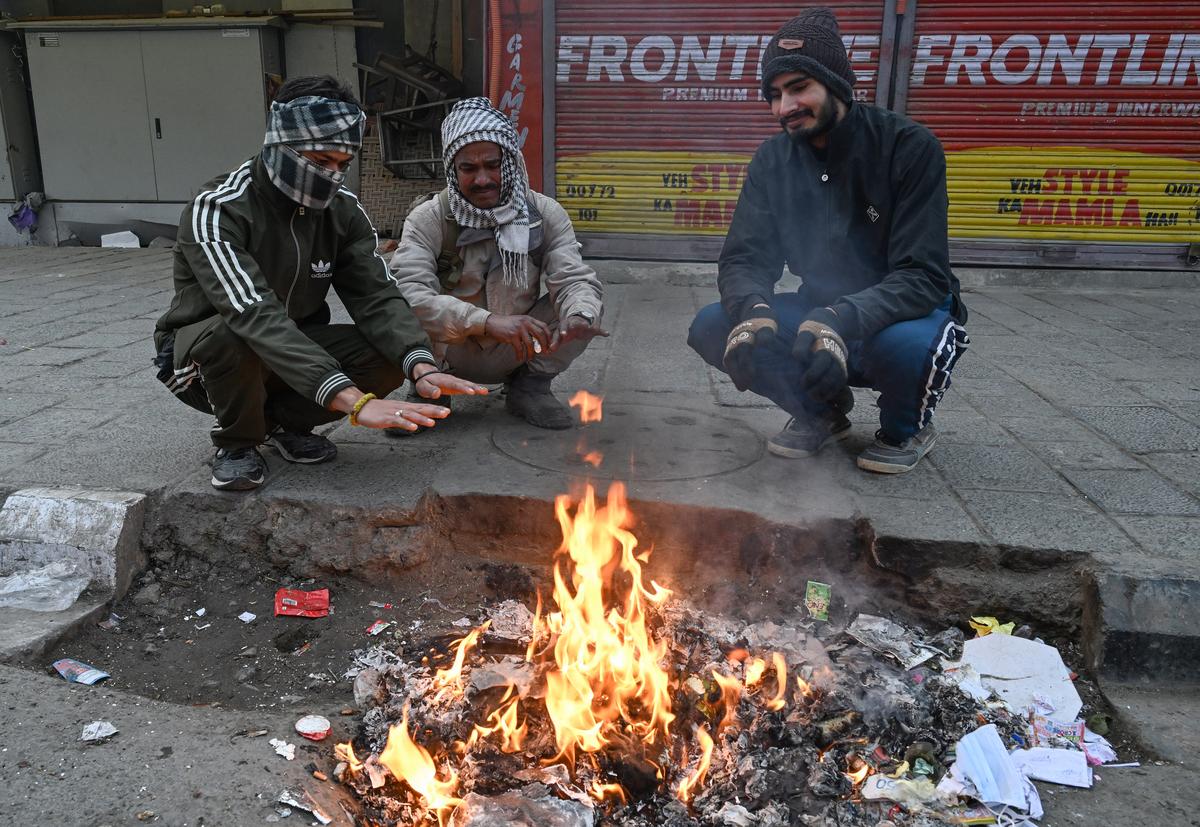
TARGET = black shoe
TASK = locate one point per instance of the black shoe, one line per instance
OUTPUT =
(238, 469)
(528, 396)
(803, 438)
(308, 449)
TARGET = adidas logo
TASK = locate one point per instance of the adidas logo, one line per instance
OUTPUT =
(321, 269)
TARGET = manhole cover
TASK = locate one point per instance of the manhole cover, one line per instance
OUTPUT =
(636, 442)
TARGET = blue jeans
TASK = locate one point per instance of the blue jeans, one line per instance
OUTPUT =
(908, 363)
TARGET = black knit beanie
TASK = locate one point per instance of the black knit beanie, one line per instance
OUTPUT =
(810, 43)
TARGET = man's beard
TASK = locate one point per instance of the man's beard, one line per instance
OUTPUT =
(826, 119)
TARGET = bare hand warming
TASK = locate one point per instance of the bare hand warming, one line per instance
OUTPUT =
(575, 327)
(527, 336)
(433, 383)
(386, 413)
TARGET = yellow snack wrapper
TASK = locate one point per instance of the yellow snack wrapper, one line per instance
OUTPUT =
(990, 625)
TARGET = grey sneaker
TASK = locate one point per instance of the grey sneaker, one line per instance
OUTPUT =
(886, 457)
(805, 438)
(238, 469)
(308, 449)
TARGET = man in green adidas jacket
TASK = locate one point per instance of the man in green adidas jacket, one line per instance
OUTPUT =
(247, 336)
(471, 262)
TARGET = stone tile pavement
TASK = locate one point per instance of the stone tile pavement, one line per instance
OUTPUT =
(1073, 422)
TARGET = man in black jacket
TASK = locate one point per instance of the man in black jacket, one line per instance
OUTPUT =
(247, 336)
(852, 198)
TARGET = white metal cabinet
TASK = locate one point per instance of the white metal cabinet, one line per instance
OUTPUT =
(89, 102)
(206, 103)
(149, 113)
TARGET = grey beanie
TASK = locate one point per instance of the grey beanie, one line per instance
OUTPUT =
(810, 43)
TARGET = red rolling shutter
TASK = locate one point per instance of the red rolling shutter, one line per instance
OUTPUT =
(658, 111)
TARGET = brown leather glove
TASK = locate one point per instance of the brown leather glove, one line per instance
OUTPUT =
(757, 329)
(822, 355)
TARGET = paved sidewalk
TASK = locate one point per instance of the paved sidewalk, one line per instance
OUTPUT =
(1073, 422)
(1071, 435)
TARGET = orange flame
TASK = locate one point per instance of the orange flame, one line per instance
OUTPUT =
(593, 458)
(408, 761)
(777, 703)
(755, 669)
(450, 679)
(589, 406)
(504, 721)
(606, 662)
(600, 792)
(688, 786)
(731, 693)
(534, 630)
(804, 686)
(345, 752)
(859, 775)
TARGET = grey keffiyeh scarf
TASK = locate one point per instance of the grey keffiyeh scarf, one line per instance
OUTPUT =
(310, 124)
(472, 120)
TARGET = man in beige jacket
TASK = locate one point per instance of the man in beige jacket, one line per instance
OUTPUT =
(471, 264)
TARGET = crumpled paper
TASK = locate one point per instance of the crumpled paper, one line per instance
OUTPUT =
(98, 731)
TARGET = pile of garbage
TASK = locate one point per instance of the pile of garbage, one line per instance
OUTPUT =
(862, 724)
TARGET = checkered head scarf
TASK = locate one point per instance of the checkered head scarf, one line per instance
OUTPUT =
(310, 124)
(472, 120)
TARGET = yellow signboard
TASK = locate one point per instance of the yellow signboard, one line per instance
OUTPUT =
(656, 193)
(1073, 193)
(1043, 193)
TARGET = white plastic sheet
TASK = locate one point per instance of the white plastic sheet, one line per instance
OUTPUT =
(52, 588)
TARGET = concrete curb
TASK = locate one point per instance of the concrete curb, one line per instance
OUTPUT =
(98, 531)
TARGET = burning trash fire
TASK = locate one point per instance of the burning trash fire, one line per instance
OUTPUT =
(609, 685)
(407, 760)
(621, 701)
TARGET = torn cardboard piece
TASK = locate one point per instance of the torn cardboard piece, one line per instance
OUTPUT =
(1025, 674)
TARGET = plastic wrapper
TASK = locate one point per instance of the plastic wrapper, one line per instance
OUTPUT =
(991, 626)
(297, 603)
(816, 599)
(79, 672)
(378, 627)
